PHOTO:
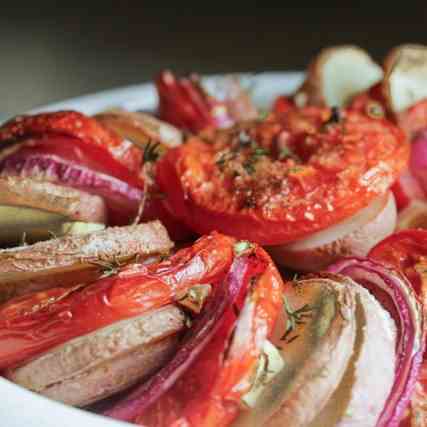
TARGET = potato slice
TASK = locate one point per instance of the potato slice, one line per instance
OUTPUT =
(92, 367)
(74, 259)
(315, 349)
(405, 76)
(74, 204)
(337, 74)
(371, 367)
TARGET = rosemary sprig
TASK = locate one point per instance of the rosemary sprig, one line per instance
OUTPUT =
(294, 318)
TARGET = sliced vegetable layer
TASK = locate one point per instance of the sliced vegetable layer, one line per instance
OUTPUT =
(36, 322)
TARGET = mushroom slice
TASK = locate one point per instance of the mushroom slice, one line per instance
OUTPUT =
(316, 339)
(140, 128)
(405, 76)
(337, 74)
(97, 365)
(75, 259)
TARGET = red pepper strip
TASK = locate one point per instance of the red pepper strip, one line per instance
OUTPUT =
(209, 393)
(32, 324)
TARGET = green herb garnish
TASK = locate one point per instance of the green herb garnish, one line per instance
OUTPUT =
(151, 152)
(294, 318)
(242, 247)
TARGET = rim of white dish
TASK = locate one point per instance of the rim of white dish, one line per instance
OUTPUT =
(19, 406)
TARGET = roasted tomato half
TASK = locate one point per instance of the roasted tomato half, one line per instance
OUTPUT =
(278, 180)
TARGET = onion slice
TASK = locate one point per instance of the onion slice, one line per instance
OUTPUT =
(418, 160)
(121, 197)
(354, 236)
(195, 340)
(407, 189)
(397, 297)
(413, 216)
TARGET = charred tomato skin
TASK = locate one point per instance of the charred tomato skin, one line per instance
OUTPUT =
(290, 176)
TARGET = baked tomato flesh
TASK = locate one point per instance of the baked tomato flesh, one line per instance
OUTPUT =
(281, 179)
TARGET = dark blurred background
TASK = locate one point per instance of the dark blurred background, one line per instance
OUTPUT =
(55, 51)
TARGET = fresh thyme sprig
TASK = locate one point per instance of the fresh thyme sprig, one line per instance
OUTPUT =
(150, 155)
(294, 318)
(109, 268)
(151, 152)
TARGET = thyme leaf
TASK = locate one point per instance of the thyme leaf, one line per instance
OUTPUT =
(151, 152)
(294, 318)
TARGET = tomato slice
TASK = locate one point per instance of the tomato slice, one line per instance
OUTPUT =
(281, 179)
(209, 394)
(283, 104)
(406, 251)
(34, 323)
(76, 125)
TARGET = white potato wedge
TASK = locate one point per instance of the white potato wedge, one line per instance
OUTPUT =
(337, 74)
(405, 76)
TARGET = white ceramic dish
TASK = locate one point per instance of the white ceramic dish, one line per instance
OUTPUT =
(19, 407)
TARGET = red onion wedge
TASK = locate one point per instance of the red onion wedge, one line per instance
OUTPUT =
(413, 216)
(121, 197)
(396, 296)
(418, 160)
(203, 329)
(407, 189)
